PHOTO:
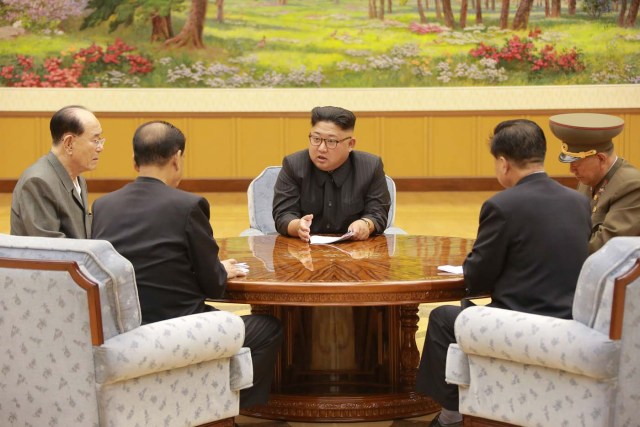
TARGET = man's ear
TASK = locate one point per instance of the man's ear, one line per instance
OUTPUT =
(135, 165)
(67, 142)
(352, 144)
(504, 165)
(177, 161)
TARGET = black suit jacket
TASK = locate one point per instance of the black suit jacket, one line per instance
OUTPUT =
(532, 241)
(166, 234)
(358, 188)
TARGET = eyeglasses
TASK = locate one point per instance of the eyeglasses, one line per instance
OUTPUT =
(329, 142)
(99, 142)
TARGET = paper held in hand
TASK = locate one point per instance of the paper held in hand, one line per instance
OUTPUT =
(453, 269)
(323, 240)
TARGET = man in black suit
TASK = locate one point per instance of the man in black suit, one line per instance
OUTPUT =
(166, 234)
(532, 240)
(330, 188)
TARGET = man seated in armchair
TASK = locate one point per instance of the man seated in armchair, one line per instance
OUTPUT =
(532, 241)
(165, 233)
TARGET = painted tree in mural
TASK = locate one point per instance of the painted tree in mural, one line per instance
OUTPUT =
(464, 5)
(220, 11)
(423, 17)
(504, 14)
(632, 16)
(521, 19)
(478, 12)
(191, 33)
(123, 12)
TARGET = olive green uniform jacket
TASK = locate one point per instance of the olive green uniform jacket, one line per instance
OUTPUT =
(615, 204)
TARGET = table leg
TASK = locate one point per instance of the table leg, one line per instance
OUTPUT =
(410, 355)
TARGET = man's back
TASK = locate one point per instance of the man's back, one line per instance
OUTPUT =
(532, 242)
(166, 235)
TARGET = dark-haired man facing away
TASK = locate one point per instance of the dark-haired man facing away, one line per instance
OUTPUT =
(532, 240)
(166, 234)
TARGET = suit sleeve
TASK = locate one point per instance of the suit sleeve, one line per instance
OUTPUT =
(622, 218)
(486, 261)
(378, 199)
(203, 251)
(39, 209)
(286, 198)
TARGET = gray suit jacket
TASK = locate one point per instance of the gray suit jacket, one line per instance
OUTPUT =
(45, 202)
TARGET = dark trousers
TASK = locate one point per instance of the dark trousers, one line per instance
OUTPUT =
(431, 372)
(263, 335)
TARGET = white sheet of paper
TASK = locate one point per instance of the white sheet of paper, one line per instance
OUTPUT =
(323, 240)
(453, 269)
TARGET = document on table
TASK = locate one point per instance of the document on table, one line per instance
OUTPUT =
(324, 240)
(453, 269)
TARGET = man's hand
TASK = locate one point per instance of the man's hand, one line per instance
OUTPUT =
(360, 228)
(304, 227)
(232, 270)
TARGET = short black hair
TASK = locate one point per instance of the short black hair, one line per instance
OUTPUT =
(342, 118)
(155, 142)
(521, 141)
(65, 120)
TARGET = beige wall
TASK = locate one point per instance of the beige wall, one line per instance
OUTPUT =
(240, 146)
(419, 132)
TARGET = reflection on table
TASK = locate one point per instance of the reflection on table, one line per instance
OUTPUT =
(350, 316)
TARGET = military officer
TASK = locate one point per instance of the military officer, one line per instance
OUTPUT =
(611, 183)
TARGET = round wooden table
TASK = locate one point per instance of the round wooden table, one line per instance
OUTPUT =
(349, 313)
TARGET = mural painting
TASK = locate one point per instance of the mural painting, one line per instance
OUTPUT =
(324, 43)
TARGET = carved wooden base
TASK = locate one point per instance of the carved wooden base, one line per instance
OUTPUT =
(470, 421)
(344, 409)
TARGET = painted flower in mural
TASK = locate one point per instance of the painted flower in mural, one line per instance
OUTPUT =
(88, 67)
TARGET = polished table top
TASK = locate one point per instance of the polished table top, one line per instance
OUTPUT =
(383, 270)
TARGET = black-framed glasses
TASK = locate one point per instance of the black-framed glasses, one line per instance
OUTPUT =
(329, 142)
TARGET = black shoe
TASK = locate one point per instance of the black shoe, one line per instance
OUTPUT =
(436, 423)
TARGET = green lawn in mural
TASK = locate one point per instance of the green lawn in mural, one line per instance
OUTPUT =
(325, 43)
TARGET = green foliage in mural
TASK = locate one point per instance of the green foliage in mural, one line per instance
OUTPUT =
(325, 43)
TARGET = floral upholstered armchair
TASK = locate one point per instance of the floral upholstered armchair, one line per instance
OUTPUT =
(529, 370)
(73, 351)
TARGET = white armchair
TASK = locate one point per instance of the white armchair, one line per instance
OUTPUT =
(260, 203)
(531, 370)
(73, 352)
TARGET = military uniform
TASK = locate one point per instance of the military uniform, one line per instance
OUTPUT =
(615, 204)
(615, 200)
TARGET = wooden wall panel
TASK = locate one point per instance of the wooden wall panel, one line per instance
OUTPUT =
(260, 143)
(116, 160)
(404, 148)
(452, 146)
(211, 148)
(631, 139)
(22, 144)
(239, 146)
(296, 131)
(367, 134)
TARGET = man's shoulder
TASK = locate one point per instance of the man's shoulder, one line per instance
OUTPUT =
(41, 168)
(298, 158)
(362, 157)
(627, 172)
